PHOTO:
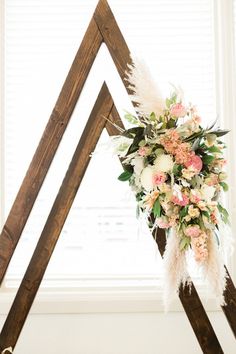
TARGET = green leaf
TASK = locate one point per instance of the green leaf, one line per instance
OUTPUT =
(196, 144)
(138, 136)
(173, 97)
(184, 243)
(125, 176)
(168, 103)
(207, 159)
(139, 196)
(214, 149)
(157, 208)
(183, 212)
(194, 136)
(142, 143)
(135, 130)
(153, 116)
(220, 132)
(131, 118)
(148, 130)
(224, 186)
(177, 169)
(171, 123)
(205, 213)
(223, 213)
(128, 168)
(159, 151)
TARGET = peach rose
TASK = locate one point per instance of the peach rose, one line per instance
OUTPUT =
(178, 201)
(158, 178)
(192, 231)
(178, 110)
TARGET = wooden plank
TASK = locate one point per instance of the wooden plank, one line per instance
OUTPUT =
(113, 38)
(56, 219)
(190, 300)
(48, 145)
(230, 307)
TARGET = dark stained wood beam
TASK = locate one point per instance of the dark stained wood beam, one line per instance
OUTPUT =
(113, 38)
(230, 299)
(55, 221)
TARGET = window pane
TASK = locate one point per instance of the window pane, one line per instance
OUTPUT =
(101, 238)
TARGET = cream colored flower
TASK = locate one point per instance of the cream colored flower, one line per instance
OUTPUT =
(150, 199)
(147, 178)
(207, 192)
(202, 205)
(188, 173)
(164, 188)
(210, 139)
(164, 163)
(193, 212)
(187, 218)
(222, 176)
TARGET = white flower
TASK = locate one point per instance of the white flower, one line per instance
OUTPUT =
(184, 182)
(207, 192)
(138, 163)
(193, 212)
(146, 178)
(164, 163)
(177, 191)
(164, 188)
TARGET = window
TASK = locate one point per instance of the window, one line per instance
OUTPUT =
(102, 240)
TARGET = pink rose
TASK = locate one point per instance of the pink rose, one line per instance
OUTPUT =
(178, 110)
(162, 224)
(183, 202)
(158, 178)
(192, 231)
(212, 180)
(195, 198)
(195, 162)
(143, 151)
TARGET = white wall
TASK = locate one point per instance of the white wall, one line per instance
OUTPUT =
(116, 333)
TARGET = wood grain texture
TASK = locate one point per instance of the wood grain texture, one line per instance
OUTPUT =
(48, 145)
(113, 38)
(190, 300)
(55, 221)
(230, 307)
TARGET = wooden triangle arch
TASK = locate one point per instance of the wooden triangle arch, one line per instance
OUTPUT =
(102, 28)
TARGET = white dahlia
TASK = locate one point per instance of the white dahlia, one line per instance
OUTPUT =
(164, 163)
(147, 178)
(138, 163)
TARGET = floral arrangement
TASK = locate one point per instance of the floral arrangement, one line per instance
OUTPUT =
(176, 169)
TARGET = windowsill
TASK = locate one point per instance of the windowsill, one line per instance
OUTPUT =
(102, 299)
